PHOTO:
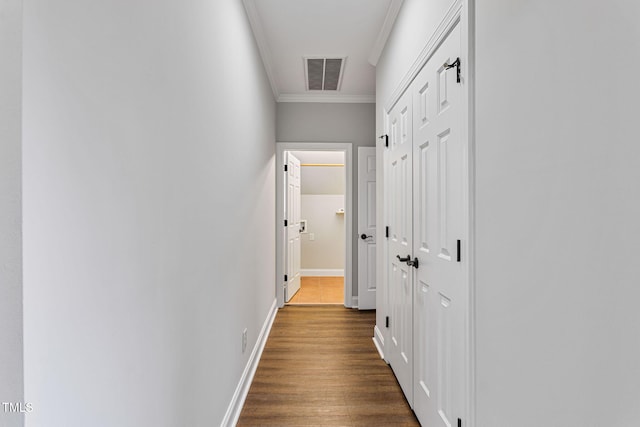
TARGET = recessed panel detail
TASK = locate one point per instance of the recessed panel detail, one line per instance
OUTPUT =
(422, 338)
(371, 163)
(371, 267)
(444, 359)
(405, 199)
(395, 206)
(371, 202)
(423, 196)
(443, 100)
(404, 126)
(405, 316)
(394, 134)
(395, 284)
(423, 105)
(443, 195)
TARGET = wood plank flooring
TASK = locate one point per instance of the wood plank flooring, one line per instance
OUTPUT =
(319, 290)
(321, 368)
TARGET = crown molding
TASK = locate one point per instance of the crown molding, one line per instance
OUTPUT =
(327, 98)
(261, 41)
(385, 31)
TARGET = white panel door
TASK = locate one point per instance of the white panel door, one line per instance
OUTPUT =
(400, 244)
(292, 216)
(439, 190)
(367, 228)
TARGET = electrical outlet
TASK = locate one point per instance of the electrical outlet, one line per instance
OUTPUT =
(312, 236)
(244, 340)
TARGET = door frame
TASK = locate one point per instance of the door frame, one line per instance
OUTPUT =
(347, 148)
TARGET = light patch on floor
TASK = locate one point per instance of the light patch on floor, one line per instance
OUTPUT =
(320, 290)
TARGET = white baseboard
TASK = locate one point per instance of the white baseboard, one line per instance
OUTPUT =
(240, 395)
(378, 340)
(322, 272)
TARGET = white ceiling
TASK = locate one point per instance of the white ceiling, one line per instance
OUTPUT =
(288, 30)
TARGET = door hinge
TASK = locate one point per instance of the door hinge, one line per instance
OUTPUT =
(386, 232)
(459, 257)
(285, 223)
(386, 139)
(456, 64)
(387, 321)
(459, 422)
(286, 278)
(286, 168)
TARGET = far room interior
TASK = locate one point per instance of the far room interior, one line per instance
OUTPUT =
(321, 207)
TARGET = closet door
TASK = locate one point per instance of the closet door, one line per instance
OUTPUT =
(400, 274)
(438, 213)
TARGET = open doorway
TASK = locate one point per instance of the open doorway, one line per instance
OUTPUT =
(314, 205)
(315, 202)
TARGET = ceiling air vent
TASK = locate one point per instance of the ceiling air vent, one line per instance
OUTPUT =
(323, 73)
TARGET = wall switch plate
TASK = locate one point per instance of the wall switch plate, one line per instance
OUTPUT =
(244, 340)
(312, 236)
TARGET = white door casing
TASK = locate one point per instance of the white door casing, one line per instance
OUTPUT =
(439, 179)
(400, 244)
(281, 205)
(292, 216)
(367, 228)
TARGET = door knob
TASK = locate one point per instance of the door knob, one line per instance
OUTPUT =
(408, 258)
(364, 236)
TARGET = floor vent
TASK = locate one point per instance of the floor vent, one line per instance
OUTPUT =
(323, 73)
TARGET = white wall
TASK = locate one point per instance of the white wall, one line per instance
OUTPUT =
(321, 179)
(317, 122)
(11, 383)
(149, 132)
(558, 169)
(326, 251)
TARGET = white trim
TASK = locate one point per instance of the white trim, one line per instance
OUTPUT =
(378, 340)
(240, 395)
(321, 272)
(448, 23)
(347, 148)
(382, 181)
(326, 98)
(261, 41)
(385, 31)
(469, 79)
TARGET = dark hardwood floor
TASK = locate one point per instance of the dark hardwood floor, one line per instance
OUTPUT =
(321, 368)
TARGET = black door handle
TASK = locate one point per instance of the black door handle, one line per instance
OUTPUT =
(408, 258)
(456, 64)
(364, 236)
(413, 263)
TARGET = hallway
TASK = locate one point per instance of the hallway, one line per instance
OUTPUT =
(320, 367)
(142, 216)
